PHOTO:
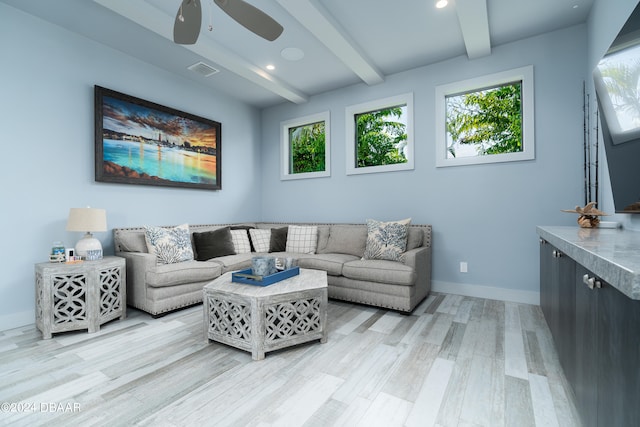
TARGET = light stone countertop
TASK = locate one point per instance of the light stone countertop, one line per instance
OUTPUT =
(611, 254)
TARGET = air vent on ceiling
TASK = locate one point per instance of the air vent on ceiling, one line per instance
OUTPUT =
(202, 68)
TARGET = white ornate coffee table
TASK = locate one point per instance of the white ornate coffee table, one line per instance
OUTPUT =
(262, 319)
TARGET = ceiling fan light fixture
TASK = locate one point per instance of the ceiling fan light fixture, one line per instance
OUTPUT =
(441, 3)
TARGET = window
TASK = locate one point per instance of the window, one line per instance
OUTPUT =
(486, 120)
(379, 135)
(305, 147)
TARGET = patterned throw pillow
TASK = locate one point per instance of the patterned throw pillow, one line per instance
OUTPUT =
(260, 238)
(244, 227)
(386, 240)
(302, 239)
(241, 241)
(169, 245)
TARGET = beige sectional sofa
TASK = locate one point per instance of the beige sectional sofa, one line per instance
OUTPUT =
(398, 285)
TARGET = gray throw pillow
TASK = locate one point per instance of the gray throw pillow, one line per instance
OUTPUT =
(212, 244)
(278, 239)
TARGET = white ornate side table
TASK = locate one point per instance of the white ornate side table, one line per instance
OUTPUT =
(262, 319)
(79, 296)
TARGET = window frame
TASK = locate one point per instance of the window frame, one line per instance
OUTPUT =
(352, 145)
(523, 74)
(285, 145)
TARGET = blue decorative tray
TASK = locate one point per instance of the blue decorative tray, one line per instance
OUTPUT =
(245, 276)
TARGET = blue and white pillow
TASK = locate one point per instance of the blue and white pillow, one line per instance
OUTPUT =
(386, 240)
(169, 245)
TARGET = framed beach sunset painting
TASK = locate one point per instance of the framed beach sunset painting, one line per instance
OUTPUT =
(140, 142)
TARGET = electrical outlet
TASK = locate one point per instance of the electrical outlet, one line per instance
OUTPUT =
(463, 267)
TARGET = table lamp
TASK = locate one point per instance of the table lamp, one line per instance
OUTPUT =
(88, 220)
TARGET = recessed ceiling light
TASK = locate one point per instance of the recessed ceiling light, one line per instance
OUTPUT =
(575, 6)
(271, 67)
(292, 54)
(441, 3)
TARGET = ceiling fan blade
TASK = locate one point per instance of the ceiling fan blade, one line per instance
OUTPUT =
(188, 21)
(252, 18)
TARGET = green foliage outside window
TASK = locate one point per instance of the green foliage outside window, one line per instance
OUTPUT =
(307, 148)
(381, 137)
(623, 81)
(489, 119)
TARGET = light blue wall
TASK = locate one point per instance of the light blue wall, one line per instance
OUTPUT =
(46, 111)
(485, 215)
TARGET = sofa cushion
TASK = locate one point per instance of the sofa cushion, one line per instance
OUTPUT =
(323, 237)
(331, 263)
(415, 238)
(130, 241)
(278, 241)
(241, 242)
(181, 273)
(386, 240)
(380, 271)
(234, 262)
(169, 245)
(215, 243)
(346, 239)
(260, 239)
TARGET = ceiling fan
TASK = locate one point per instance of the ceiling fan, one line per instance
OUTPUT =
(189, 18)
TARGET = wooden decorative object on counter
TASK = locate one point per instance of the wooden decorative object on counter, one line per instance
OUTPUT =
(589, 215)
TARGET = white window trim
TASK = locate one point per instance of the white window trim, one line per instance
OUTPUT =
(351, 146)
(525, 74)
(285, 146)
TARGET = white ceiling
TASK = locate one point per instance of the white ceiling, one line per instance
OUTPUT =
(344, 41)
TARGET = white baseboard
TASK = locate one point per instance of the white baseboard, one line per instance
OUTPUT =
(15, 320)
(489, 292)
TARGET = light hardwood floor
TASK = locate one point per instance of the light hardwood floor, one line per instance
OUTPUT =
(456, 361)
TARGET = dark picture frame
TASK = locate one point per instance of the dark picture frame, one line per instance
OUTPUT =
(144, 143)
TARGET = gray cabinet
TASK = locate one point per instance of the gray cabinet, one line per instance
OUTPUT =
(596, 330)
(557, 300)
(585, 384)
(618, 358)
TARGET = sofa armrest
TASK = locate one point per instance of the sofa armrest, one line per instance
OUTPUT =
(138, 264)
(420, 260)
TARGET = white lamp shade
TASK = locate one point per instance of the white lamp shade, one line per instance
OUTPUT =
(87, 219)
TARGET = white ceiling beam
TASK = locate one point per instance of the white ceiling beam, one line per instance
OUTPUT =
(157, 21)
(315, 18)
(474, 23)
